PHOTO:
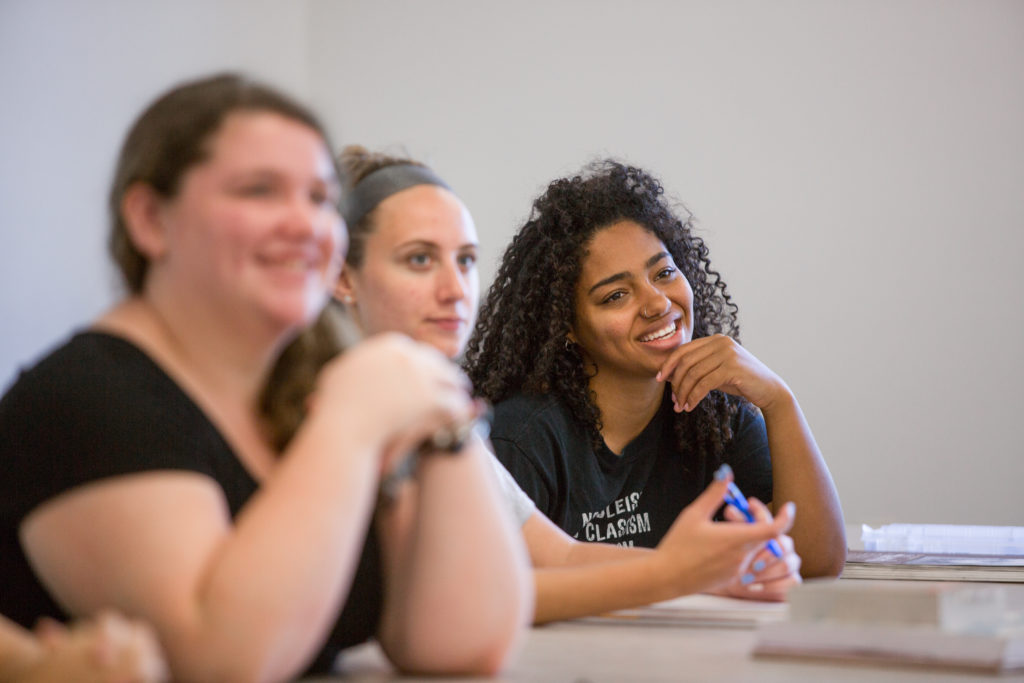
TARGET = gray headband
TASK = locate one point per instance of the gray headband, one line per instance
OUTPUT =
(381, 184)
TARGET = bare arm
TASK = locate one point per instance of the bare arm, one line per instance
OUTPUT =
(458, 590)
(798, 469)
(575, 579)
(252, 600)
(799, 474)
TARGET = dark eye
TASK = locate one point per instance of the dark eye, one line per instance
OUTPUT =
(319, 197)
(614, 296)
(667, 271)
(466, 261)
(256, 190)
(419, 260)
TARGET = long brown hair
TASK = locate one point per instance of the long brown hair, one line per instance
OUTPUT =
(171, 136)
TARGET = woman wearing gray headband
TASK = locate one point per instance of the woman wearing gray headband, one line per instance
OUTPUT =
(411, 268)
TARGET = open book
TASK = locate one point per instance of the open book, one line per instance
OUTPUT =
(969, 626)
(699, 610)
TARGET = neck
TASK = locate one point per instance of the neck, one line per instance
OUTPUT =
(627, 405)
(214, 355)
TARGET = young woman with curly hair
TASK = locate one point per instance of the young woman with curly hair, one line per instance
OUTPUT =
(411, 268)
(610, 348)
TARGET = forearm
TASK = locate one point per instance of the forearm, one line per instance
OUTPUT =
(586, 589)
(799, 474)
(458, 591)
(275, 586)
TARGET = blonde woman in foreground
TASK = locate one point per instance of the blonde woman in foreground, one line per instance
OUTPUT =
(141, 474)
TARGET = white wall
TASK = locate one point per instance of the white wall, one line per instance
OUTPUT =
(856, 167)
(73, 75)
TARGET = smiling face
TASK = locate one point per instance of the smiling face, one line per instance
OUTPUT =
(418, 274)
(253, 231)
(633, 304)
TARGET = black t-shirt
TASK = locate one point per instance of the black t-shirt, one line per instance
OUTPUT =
(99, 407)
(627, 499)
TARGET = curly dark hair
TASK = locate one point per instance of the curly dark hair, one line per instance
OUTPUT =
(520, 344)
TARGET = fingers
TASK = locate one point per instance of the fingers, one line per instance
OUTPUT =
(685, 350)
(698, 368)
(783, 522)
(768, 577)
(711, 498)
(50, 632)
(764, 528)
(692, 382)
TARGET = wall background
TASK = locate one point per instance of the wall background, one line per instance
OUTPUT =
(856, 168)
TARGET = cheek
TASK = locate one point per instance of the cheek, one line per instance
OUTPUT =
(396, 306)
(604, 331)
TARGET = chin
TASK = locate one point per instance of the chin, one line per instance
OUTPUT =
(449, 347)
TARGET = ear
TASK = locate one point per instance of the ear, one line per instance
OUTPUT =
(140, 211)
(344, 290)
(571, 336)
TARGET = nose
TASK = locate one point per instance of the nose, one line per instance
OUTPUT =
(304, 219)
(451, 282)
(655, 304)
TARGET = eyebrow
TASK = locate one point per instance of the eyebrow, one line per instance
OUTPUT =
(625, 274)
(434, 245)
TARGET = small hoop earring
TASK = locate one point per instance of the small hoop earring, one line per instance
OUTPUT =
(569, 344)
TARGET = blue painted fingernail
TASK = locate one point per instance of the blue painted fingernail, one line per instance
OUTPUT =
(723, 472)
(747, 579)
(759, 565)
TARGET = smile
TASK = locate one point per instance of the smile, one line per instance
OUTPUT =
(663, 333)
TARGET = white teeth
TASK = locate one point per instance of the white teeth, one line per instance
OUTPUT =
(666, 331)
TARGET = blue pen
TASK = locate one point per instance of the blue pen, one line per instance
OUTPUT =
(736, 498)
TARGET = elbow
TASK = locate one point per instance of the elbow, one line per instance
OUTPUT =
(475, 647)
(221, 663)
(476, 661)
(226, 672)
(828, 563)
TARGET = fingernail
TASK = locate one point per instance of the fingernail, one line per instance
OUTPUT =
(686, 407)
(747, 579)
(723, 472)
(759, 565)
(657, 377)
(790, 508)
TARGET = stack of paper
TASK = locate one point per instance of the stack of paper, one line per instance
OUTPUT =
(945, 538)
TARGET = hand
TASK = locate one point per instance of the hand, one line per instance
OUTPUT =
(718, 362)
(404, 392)
(110, 649)
(700, 554)
(766, 577)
